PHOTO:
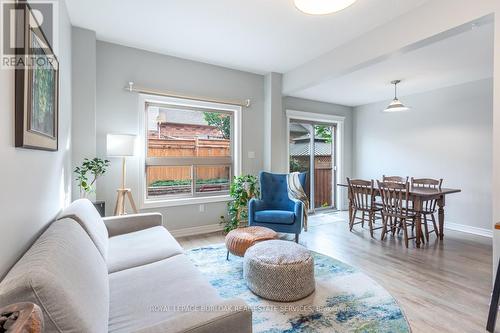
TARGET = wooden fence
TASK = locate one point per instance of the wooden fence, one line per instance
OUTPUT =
(322, 179)
(322, 187)
(187, 148)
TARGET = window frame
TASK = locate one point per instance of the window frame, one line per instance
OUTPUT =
(196, 198)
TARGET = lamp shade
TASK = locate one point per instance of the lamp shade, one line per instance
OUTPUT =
(321, 7)
(120, 144)
(396, 106)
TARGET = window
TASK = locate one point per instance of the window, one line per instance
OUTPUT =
(190, 150)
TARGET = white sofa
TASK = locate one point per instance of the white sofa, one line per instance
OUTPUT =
(117, 274)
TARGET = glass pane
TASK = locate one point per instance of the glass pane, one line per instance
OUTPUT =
(188, 133)
(323, 168)
(168, 181)
(212, 178)
(300, 151)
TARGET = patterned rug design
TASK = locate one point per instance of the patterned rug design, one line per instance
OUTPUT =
(345, 299)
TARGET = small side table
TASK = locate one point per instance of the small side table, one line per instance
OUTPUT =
(21, 318)
(240, 239)
(492, 316)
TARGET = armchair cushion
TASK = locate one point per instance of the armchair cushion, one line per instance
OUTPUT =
(275, 216)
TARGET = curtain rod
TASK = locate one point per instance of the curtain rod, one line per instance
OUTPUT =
(130, 87)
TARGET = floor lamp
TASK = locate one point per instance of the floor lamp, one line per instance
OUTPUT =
(122, 145)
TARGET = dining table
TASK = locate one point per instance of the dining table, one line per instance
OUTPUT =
(419, 195)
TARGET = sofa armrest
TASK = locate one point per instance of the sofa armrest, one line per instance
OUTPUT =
(225, 317)
(118, 225)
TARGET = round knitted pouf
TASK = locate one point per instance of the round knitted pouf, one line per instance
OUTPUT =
(279, 270)
(240, 239)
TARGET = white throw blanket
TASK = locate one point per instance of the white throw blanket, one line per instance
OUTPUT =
(296, 192)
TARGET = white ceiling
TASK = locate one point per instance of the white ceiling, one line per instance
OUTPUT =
(464, 57)
(255, 35)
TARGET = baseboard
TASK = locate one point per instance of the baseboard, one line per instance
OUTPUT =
(202, 229)
(468, 229)
(209, 228)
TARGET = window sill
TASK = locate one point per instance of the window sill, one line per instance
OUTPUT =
(149, 204)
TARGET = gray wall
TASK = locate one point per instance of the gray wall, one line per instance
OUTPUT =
(117, 111)
(36, 184)
(83, 135)
(447, 134)
(274, 123)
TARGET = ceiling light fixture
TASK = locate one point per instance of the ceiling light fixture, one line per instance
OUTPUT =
(396, 105)
(322, 7)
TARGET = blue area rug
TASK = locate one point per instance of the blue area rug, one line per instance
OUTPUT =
(345, 299)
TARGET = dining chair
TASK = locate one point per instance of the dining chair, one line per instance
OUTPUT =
(362, 194)
(429, 206)
(394, 179)
(395, 201)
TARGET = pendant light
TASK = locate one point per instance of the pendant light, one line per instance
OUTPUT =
(396, 105)
(322, 7)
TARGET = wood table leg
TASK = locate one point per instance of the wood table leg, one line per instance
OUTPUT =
(441, 204)
(492, 316)
(417, 206)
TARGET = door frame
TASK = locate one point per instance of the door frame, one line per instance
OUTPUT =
(338, 121)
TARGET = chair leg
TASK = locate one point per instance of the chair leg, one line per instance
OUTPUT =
(370, 222)
(353, 218)
(405, 231)
(435, 225)
(426, 228)
(296, 238)
(392, 225)
(363, 220)
(384, 226)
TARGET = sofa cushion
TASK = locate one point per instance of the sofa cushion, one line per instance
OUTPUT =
(146, 295)
(140, 248)
(66, 276)
(84, 212)
(275, 216)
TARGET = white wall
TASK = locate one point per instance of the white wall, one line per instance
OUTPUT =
(35, 184)
(447, 134)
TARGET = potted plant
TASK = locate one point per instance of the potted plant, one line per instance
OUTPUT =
(86, 176)
(243, 188)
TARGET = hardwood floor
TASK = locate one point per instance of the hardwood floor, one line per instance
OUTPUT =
(442, 287)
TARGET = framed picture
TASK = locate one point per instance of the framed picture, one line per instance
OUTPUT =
(37, 87)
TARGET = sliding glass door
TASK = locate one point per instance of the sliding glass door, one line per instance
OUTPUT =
(312, 150)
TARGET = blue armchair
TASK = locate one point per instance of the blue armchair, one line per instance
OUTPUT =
(275, 210)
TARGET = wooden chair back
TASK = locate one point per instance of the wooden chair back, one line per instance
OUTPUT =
(362, 193)
(430, 205)
(395, 198)
(394, 179)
